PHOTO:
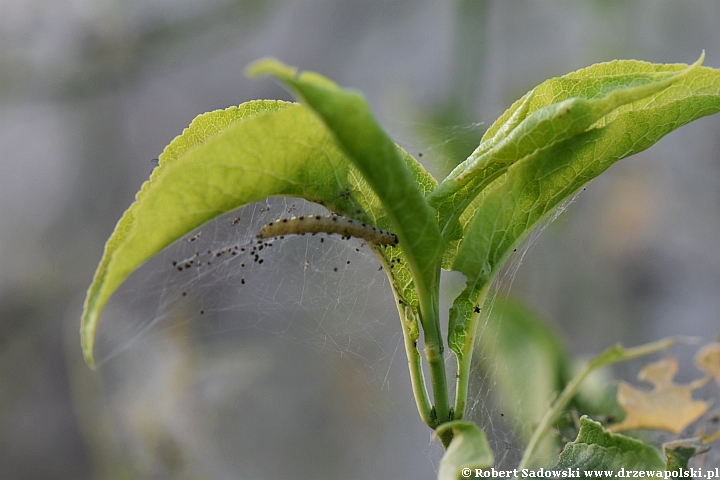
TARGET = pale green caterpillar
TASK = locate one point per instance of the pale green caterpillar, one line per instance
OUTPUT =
(346, 227)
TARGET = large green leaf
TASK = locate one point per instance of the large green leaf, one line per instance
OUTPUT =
(595, 449)
(554, 111)
(534, 185)
(223, 160)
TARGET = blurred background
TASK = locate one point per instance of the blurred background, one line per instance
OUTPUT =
(92, 90)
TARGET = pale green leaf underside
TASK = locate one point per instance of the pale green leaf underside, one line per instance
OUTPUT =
(347, 115)
(597, 449)
(536, 184)
(224, 160)
(469, 449)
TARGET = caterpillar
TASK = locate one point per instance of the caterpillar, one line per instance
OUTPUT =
(347, 227)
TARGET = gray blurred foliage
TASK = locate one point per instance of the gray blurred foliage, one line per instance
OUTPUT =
(92, 90)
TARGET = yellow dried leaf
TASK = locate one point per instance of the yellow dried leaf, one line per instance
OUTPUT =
(708, 360)
(667, 406)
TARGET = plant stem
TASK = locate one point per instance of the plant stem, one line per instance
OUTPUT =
(465, 361)
(428, 294)
(417, 378)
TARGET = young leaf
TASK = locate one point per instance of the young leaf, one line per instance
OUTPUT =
(469, 450)
(223, 160)
(534, 186)
(534, 126)
(596, 449)
(667, 406)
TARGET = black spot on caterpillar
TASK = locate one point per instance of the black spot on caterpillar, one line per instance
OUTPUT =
(347, 227)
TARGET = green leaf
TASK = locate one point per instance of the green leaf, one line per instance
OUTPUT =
(679, 452)
(469, 449)
(223, 160)
(538, 182)
(348, 116)
(597, 449)
(549, 114)
(528, 364)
